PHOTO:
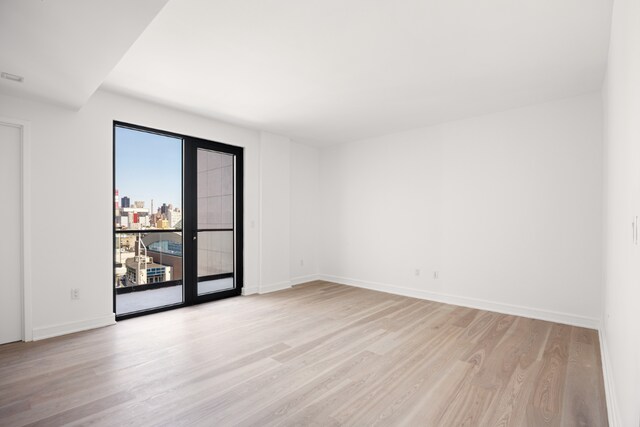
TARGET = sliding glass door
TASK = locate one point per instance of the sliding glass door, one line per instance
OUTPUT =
(177, 220)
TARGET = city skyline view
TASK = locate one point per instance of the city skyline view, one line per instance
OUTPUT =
(157, 205)
(133, 214)
(148, 167)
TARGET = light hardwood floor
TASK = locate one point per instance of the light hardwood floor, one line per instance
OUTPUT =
(318, 354)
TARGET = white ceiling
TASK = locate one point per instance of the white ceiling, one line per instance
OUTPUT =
(65, 49)
(321, 72)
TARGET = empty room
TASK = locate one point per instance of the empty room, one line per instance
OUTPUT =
(334, 213)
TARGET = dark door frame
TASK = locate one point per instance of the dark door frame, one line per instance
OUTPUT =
(190, 145)
(190, 227)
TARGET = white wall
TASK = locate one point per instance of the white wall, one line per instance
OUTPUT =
(72, 201)
(305, 174)
(289, 198)
(621, 293)
(506, 207)
(275, 206)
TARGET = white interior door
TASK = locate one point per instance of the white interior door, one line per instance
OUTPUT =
(11, 247)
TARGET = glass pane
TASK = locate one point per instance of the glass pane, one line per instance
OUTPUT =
(148, 197)
(215, 261)
(148, 172)
(148, 271)
(215, 285)
(215, 190)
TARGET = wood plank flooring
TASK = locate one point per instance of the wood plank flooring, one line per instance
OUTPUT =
(319, 354)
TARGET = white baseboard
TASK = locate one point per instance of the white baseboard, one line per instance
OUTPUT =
(273, 287)
(265, 289)
(71, 327)
(515, 310)
(609, 389)
(304, 279)
(249, 290)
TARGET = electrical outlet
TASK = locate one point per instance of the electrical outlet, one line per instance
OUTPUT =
(436, 275)
(75, 293)
(417, 271)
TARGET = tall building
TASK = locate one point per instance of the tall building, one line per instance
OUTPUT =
(145, 221)
(125, 201)
(174, 216)
(138, 204)
(122, 221)
(115, 204)
(131, 217)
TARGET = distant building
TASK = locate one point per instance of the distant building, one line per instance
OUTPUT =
(174, 217)
(138, 204)
(126, 242)
(141, 270)
(162, 223)
(133, 216)
(122, 221)
(135, 210)
(164, 208)
(125, 202)
(166, 248)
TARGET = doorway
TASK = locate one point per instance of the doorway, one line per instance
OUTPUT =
(11, 249)
(177, 223)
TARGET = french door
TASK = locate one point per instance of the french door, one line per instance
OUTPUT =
(177, 223)
(214, 226)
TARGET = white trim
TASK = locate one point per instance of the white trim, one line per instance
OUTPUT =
(304, 279)
(512, 309)
(607, 373)
(249, 290)
(260, 258)
(71, 327)
(25, 133)
(273, 287)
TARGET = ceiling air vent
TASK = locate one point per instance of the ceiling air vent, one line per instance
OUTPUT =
(12, 77)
